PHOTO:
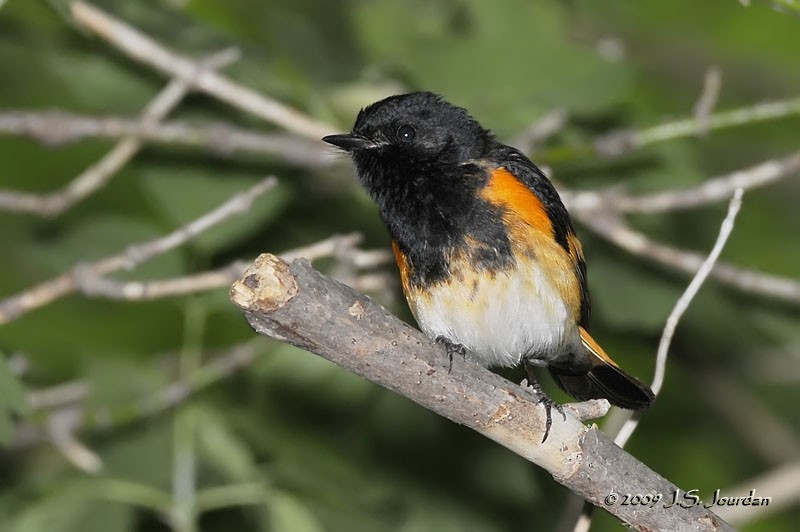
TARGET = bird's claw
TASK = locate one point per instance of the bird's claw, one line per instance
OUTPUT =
(451, 349)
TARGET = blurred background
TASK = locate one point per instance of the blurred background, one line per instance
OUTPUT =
(119, 414)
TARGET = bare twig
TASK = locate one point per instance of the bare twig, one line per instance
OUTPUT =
(780, 365)
(617, 231)
(342, 246)
(711, 191)
(100, 173)
(144, 49)
(71, 419)
(708, 99)
(58, 396)
(46, 292)
(54, 128)
(587, 410)
(282, 301)
(627, 421)
(780, 485)
(545, 127)
(617, 143)
(758, 427)
(61, 430)
(680, 307)
(787, 6)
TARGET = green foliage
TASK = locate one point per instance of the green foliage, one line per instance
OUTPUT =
(13, 397)
(291, 442)
(507, 55)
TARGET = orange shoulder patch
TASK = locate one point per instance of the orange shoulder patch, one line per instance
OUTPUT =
(506, 190)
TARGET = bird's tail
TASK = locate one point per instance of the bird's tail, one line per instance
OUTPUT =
(605, 380)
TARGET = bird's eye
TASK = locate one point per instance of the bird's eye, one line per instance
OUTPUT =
(406, 133)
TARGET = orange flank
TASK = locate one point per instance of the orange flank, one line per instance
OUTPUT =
(405, 272)
(531, 233)
(505, 189)
(594, 348)
(402, 263)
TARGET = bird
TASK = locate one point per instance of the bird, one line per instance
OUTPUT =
(488, 257)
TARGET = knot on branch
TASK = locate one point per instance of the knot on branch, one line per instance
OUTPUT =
(267, 285)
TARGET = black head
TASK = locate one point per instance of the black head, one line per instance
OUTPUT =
(419, 158)
(414, 129)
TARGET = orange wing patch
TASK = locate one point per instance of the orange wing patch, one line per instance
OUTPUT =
(505, 189)
(594, 348)
(531, 233)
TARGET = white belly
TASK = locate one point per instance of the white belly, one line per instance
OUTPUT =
(501, 318)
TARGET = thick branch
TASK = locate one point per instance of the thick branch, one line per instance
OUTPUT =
(295, 304)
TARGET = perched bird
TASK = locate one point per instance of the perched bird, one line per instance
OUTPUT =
(488, 257)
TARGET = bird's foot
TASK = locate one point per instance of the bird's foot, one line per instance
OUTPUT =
(451, 349)
(548, 404)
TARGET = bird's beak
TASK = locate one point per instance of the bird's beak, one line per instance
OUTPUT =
(349, 141)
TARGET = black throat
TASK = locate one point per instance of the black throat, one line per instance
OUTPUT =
(434, 211)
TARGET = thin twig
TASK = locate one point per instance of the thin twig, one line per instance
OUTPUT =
(48, 291)
(100, 173)
(543, 128)
(759, 427)
(712, 82)
(620, 142)
(146, 50)
(58, 396)
(55, 128)
(780, 485)
(71, 419)
(711, 191)
(680, 307)
(627, 421)
(617, 231)
(342, 246)
(62, 435)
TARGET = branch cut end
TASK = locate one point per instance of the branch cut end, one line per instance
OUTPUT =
(267, 285)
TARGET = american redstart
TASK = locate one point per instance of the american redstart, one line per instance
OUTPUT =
(488, 257)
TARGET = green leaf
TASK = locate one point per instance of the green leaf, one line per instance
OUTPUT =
(144, 455)
(108, 234)
(74, 506)
(286, 512)
(13, 399)
(222, 447)
(519, 59)
(182, 196)
(60, 511)
(118, 380)
(105, 516)
(630, 297)
(6, 427)
(12, 392)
